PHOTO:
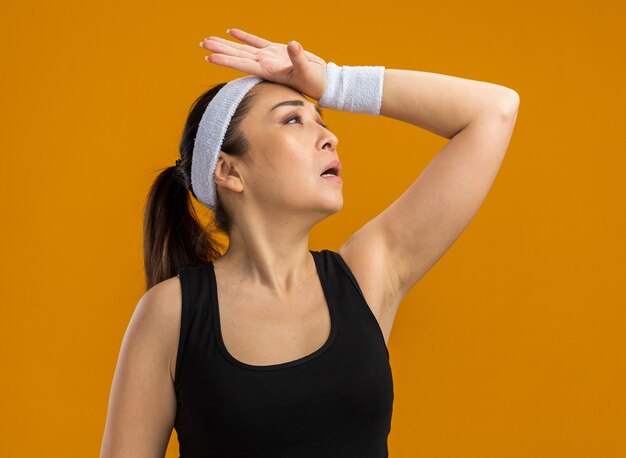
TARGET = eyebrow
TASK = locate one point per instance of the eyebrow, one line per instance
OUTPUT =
(297, 103)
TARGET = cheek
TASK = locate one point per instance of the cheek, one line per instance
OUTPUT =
(288, 162)
(295, 163)
(305, 171)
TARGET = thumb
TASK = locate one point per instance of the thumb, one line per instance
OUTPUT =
(295, 53)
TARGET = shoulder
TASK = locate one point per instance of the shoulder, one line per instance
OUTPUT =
(369, 263)
(159, 312)
(368, 266)
(162, 301)
(142, 405)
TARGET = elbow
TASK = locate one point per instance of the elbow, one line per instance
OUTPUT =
(503, 104)
(509, 103)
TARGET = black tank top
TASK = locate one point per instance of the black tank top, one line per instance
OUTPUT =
(333, 403)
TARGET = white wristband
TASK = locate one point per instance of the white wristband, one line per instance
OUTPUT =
(355, 89)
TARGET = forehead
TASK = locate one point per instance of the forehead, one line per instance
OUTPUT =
(272, 98)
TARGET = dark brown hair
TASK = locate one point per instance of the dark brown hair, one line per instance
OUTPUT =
(173, 236)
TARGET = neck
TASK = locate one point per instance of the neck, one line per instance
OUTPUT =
(271, 263)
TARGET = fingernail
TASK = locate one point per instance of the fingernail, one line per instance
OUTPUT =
(227, 30)
(202, 44)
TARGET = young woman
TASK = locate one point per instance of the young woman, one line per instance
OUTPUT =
(270, 349)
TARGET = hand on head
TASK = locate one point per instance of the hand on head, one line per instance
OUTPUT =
(284, 64)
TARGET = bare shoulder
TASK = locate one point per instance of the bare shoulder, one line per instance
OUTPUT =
(164, 301)
(142, 403)
(368, 258)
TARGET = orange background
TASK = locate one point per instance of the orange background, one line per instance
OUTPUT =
(513, 345)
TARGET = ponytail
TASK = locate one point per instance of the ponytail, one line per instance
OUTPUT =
(173, 236)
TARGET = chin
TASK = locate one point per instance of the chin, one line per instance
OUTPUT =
(335, 207)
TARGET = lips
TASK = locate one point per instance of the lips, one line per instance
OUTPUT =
(333, 166)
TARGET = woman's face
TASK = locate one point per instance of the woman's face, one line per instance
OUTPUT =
(289, 150)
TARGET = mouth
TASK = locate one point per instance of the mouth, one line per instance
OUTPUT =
(332, 177)
(333, 169)
(330, 173)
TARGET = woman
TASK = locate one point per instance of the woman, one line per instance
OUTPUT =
(271, 349)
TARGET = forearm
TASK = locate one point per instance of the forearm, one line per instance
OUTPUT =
(442, 104)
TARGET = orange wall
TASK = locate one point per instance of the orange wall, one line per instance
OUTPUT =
(511, 346)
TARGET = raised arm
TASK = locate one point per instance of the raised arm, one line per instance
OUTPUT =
(393, 251)
(443, 104)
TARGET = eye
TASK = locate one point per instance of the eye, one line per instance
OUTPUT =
(291, 119)
(300, 118)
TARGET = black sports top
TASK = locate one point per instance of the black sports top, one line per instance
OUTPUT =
(333, 403)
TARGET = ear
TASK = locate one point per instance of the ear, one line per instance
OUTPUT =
(227, 174)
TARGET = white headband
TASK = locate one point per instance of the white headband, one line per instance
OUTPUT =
(210, 136)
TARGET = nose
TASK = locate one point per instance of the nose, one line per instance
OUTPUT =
(329, 140)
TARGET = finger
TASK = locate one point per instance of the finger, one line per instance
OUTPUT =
(246, 48)
(296, 54)
(249, 38)
(225, 49)
(237, 63)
